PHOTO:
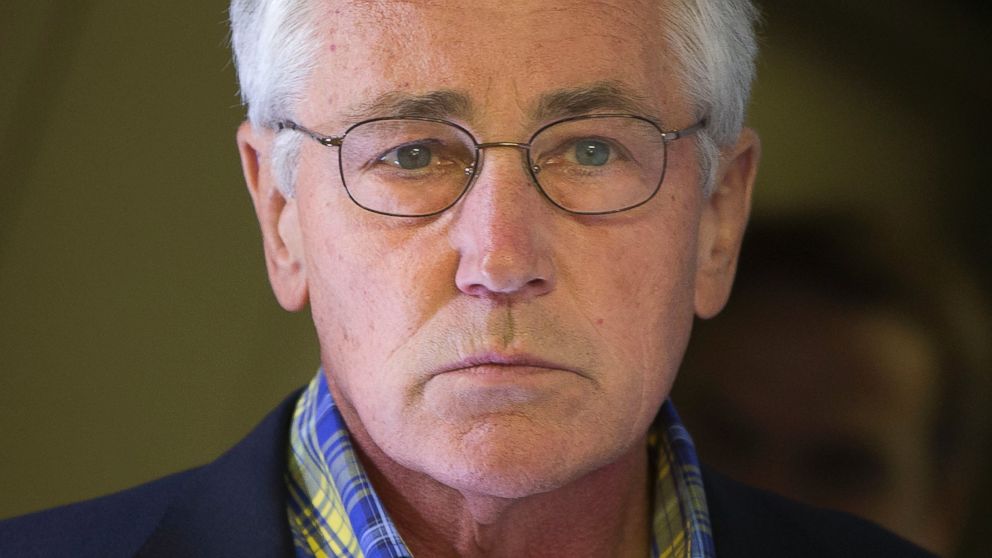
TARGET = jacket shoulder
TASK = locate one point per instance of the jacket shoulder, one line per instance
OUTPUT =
(750, 522)
(113, 525)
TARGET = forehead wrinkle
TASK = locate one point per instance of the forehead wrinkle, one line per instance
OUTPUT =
(441, 103)
(598, 96)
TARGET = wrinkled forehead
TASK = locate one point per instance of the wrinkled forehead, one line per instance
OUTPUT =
(503, 58)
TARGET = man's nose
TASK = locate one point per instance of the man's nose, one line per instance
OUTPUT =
(502, 230)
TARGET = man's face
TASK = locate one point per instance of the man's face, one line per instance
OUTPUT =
(504, 347)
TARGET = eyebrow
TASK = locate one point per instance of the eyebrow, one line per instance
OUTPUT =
(561, 103)
(443, 103)
(599, 96)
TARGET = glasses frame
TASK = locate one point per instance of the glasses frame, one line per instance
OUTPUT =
(471, 172)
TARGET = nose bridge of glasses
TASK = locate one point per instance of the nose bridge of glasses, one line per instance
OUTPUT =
(525, 147)
(502, 171)
(475, 170)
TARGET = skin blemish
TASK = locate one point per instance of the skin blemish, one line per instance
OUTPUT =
(599, 321)
(333, 47)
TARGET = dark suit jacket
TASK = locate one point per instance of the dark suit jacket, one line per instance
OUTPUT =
(236, 506)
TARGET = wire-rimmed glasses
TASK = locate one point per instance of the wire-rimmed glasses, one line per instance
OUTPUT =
(419, 167)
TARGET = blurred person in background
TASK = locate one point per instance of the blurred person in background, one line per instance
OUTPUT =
(851, 374)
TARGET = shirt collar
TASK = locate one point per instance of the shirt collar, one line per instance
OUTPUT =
(334, 510)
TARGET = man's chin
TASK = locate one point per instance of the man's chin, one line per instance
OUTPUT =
(495, 462)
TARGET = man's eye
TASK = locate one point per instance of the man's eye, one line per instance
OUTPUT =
(409, 157)
(592, 152)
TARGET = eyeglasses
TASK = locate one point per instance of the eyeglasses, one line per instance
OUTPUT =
(419, 167)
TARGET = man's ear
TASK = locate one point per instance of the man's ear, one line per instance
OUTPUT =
(277, 217)
(724, 218)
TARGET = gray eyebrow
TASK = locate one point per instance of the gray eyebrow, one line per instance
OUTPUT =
(598, 96)
(443, 104)
(611, 96)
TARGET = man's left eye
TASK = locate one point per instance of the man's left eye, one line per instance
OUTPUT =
(592, 152)
(409, 157)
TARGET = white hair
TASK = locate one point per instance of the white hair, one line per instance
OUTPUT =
(276, 45)
(715, 48)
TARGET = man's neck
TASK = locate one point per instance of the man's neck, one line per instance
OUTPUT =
(603, 513)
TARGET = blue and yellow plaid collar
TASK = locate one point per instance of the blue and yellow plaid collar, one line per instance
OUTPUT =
(334, 511)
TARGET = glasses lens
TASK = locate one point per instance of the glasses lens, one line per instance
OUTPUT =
(599, 164)
(406, 167)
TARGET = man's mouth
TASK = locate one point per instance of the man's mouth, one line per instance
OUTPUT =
(495, 362)
(499, 382)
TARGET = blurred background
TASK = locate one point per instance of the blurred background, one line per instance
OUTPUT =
(138, 335)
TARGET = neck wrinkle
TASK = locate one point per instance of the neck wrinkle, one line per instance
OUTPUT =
(604, 513)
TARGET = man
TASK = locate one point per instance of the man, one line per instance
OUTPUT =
(503, 216)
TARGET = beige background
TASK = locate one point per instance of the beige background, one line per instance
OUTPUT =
(138, 335)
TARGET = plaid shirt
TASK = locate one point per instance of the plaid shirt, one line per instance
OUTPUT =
(334, 511)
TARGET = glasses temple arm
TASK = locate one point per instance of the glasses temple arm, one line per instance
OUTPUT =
(323, 140)
(688, 131)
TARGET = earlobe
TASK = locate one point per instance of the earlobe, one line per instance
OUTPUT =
(277, 218)
(724, 218)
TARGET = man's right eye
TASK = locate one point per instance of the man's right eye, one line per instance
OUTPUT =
(409, 157)
(592, 152)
